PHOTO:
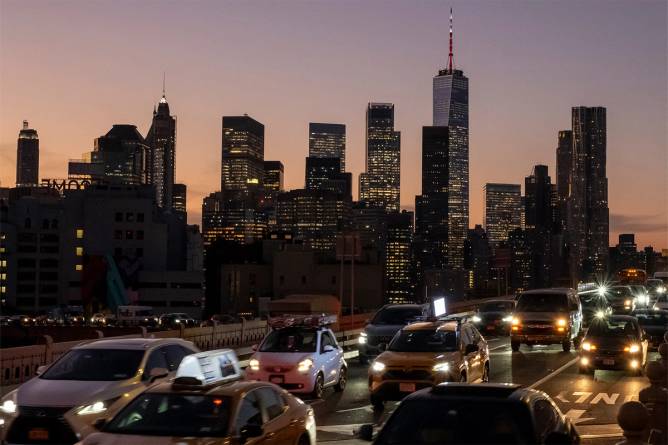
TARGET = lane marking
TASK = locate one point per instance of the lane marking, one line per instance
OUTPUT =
(348, 429)
(576, 416)
(553, 373)
(498, 347)
(369, 407)
(604, 396)
(583, 396)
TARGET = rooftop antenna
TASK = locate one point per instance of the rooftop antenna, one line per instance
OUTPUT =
(163, 82)
(450, 56)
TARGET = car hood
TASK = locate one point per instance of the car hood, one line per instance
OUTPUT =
(540, 316)
(286, 359)
(417, 359)
(376, 330)
(130, 439)
(43, 392)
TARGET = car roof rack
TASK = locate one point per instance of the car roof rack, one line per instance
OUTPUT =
(207, 369)
(294, 320)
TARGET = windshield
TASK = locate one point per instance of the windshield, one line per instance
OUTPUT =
(433, 421)
(424, 341)
(496, 306)
(637, 289)
(542, 303)
(611, 327)
(591, 300)
(654, 318)
(173, 415)
(396, 316)
(290, 340)
(95, 365)
(620, 292)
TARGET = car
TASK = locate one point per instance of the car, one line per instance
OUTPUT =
(301, 355)
(99, 319)
(66, 397)
(489, 413)
(593, 304)
(614, 342)
(654, 323)
(386, 322)
(494, 316)
(174, 320)
(661, 302)
(424, 354)
(547, 316)
(655, 287)
(208, 402)
(621, 299)
(640, 294)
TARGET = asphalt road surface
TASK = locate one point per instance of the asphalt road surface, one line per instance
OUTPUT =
(591, 402)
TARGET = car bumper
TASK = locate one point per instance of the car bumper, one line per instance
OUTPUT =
(292, 381)
(27, 429)
(543, 339)
(396, 389)
(611, 362)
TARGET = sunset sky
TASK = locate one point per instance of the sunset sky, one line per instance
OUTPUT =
(74, 68)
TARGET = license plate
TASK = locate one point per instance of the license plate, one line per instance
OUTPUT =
(608, 361)
(407, 387)
(38, 434)
(277, 379)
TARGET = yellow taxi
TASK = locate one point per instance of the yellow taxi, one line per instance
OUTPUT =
(208, 403)
(427, 353)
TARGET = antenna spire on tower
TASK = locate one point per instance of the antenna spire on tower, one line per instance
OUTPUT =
(163, 84)
(450, 56)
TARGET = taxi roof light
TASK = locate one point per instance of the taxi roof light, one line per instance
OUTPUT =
(211, 368)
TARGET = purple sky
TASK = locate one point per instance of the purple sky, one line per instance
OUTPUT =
(73, 68)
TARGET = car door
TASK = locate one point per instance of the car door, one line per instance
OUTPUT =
(329, 359)
(482, 349)
(471, 356)
(249, 413)
(279, 427)
(157, 358)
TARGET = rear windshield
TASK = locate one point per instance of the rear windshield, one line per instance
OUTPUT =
(496, 306)
(611, 327)
(95, 365)
(542, 303)
(424, 341)
(430, 421)
(396, 316)
(177, 415)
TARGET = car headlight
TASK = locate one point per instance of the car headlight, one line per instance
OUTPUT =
(661, 289)
(588, 346)
(305, 365)
(441, 367)
(627, 302)
(377, 366)
(561, 322)
(602, 290)
(93, 408)
(600, 314)
(476, 319)
(362, 338)
(515, 321)
(507, 319)
(632, 348)
(9, 403)
(254, 364)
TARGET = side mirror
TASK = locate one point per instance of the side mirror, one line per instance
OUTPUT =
(100, 423)
(254, 348)
(365, 432)
(157, 373)
(328, 348)
(40, 370)
(471, 348)
(251, 430)
(558, 438)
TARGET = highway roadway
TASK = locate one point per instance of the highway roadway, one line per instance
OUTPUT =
(591, 402)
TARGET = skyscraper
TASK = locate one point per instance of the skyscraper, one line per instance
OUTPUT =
(398, 244)
(538, 199)
(179, 200)
(243, 153)
(451, 109)
(564, 168)
(588, 201)
(327, 141)
(273, 176)
(502, 211)
(27, 157)
(380, 183)
(161, 140)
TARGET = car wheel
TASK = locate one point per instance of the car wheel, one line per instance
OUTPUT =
(341, 384)
(485, 373)
(318, 387)
(566, 345)
(462, 377)
(377, 403)
(304, 439)
(515, 346)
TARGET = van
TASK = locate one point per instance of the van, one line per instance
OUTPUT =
(546, 317)
(136, 316)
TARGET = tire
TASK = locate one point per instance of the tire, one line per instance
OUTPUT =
(462, 378)
(343, 379)
(515, 346)
(485, 373)
(304, 439)
(377, 403)
(318, 387)
(566, 345)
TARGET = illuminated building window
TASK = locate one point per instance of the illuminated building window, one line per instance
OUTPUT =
(79, 251)
(3, 289)
(2, 250)
(80, 233)
(3, 263)
(3, 276)
(78, 267)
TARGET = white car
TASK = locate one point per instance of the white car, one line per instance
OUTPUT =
(63, 401)
(661, 302)
(300, 355)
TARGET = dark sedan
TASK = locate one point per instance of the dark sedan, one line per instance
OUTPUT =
(593, 304)
(614, 342)
(475, 414)
(494, 316)
(654, 323)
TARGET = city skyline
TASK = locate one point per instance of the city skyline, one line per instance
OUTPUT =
(645, 217)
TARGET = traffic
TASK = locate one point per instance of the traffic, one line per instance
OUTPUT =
(437, 366)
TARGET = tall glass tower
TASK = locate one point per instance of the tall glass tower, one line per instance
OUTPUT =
(161, 139)
(27, 157)
(451, 109)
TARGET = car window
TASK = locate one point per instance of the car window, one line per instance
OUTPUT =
(174, 355)
(273, 403)
(156, 359)
(546, 418)
(466, 335)
(326, 340)
(476, 335)
(249, 411)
